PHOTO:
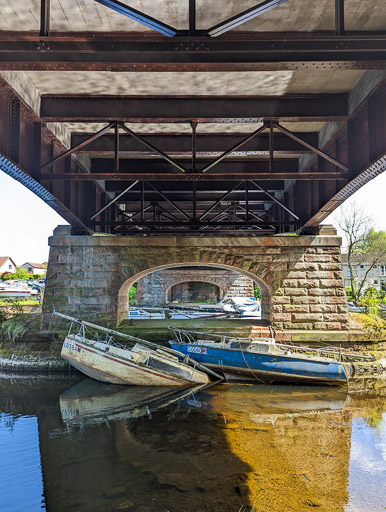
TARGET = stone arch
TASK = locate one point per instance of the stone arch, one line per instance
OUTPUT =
(201, 280)
(122, 303)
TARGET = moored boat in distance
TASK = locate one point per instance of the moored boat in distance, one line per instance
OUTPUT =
(139, 362)
(263, 359)
(15, 291)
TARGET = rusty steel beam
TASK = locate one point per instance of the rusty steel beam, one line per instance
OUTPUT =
(304, 176)
(205, 143)
(231, 165)
(193, 224)
(235, 52)
(213, 109)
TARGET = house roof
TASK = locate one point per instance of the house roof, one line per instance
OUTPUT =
(34, 265)
(3, 259)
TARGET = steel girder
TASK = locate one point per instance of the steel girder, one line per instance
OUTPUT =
(249, 51)
(211, 109)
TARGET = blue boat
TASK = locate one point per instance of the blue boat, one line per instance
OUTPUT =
(265, 360)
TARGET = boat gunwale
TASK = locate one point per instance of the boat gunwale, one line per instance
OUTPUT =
(128, 362)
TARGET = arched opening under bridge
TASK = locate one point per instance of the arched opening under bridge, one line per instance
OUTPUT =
(123, 303)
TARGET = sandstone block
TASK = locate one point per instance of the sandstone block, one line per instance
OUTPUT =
(295, 274)
(330, 266)
(305, 300)
(333, 326)
(341, 291)
(323, 308)
(302, 325)
(318, 258)
(321, 292)
(290, 283)
(328, 250)
(307, 317)
(320, 326)
(281, 317)
(277, 308)
(335, 317)
(294, 291)
(304, 266)
(341, 308)
(334, 300)
(330, 283)
(308, 283)
(295, 308)
(280, 300)
(273, 250)
(278, 325)
(322, 274)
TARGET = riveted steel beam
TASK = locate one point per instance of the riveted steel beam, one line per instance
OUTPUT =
(124, 176)
(234, 52)
(205, 143)
(213, 109)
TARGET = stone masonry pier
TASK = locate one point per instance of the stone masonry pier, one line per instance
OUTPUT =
(300, 277)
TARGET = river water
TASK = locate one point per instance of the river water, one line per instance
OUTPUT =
(70, 444)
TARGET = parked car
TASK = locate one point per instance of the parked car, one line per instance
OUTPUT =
(353, 308)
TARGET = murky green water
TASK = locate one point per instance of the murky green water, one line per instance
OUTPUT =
(69, 445)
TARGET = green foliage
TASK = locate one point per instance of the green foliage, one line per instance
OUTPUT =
(373, 242)
(22, 275)
(256, 291)
(350, 295)
(371, 302)
(132, 295)
(374, 328)
(3, 316)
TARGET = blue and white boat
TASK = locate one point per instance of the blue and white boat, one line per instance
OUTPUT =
(265, 360)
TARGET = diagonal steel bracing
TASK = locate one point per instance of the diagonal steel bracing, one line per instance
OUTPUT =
(139, 16)
(243, 17)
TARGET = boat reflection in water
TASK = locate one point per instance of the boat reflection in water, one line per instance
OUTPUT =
(91, 401)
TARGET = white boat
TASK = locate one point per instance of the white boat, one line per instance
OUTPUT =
(247, 307)
(143, 363)
(13, 291)
(146, 314)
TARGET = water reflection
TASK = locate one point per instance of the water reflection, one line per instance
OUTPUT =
(277, 448)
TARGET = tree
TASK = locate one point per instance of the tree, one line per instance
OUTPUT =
(364, 244)
(371, 251)
(355, 224)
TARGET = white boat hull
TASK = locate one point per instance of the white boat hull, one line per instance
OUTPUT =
(110, 364)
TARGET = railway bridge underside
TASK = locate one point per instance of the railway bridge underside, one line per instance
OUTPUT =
(202, 121)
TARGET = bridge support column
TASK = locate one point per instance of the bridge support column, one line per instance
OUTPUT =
(300, 277)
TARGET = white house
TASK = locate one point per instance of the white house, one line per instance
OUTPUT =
(34, 268)
(376, 277)
(7, 265)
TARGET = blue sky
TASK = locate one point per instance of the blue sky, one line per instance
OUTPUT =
(27, 222)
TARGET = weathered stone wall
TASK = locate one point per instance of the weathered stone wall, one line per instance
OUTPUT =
(153, 289)
(301, 278)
